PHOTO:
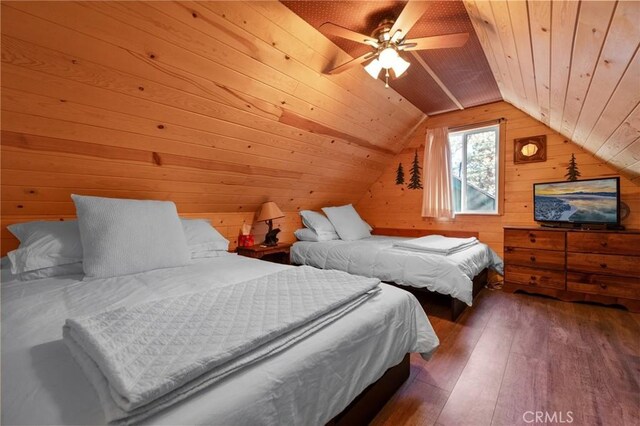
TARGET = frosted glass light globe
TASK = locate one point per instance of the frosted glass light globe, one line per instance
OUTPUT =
(529, 149)
(388, 57)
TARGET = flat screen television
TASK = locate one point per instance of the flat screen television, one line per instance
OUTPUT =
(588, 201)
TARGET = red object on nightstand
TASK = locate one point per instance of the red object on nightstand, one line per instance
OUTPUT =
(245, 240)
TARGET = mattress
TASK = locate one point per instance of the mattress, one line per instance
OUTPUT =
(377, 257)
(309, 383)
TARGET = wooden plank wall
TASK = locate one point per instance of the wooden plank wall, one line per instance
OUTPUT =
(575, 66)
(218, 106)
(387, 205)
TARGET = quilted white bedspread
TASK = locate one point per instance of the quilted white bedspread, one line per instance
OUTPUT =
(377, 257)
(306, 384)
(147, 357)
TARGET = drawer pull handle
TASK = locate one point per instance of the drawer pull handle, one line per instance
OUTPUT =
(603, 243)
(533, 240)
(533, 277)
(532, 258)
(603, 265)
(603, 286)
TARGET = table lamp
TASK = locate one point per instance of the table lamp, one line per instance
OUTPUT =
(268, 212)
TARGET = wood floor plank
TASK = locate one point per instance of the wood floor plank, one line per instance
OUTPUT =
(448, 362)
(442, 327)
(614, 364)
(571, 387)
(416, 404)
(565, 326)
(532, 336)
(474, 397)
(523, 390)
(512, 354)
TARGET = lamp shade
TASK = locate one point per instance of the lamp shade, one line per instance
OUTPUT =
(373, 68)
(400, 66)
(269, 210)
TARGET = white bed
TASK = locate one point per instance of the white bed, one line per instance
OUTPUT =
(307, 384)
(377, 257)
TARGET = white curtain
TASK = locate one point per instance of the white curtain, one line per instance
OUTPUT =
(437, 201)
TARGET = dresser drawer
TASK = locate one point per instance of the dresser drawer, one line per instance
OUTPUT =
(535, 277)
(533, 258)
(609, 264)
(606, 285)
(600, 242)
(545, 240)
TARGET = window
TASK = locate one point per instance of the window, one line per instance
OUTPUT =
(474, 170)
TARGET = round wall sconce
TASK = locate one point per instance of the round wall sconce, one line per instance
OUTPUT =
(530, 150)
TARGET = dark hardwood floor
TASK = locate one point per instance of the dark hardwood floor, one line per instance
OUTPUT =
(513, 355)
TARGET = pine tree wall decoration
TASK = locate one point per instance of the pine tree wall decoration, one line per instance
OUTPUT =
(400, 175)
(414, 178)
(572, 171)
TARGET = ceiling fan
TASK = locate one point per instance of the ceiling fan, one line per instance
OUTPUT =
(389, 40)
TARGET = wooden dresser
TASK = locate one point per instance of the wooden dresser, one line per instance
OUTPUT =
(574, 265)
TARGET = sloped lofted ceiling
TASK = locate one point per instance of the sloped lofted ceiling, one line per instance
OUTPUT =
(575, 66)
(465, 75)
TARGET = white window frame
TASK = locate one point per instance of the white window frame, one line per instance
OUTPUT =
(463, 174)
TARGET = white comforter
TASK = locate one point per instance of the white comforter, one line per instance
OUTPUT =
(308, 384)
(377, 257)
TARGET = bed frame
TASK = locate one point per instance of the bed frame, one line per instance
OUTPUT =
(479, 281)
(371, 400)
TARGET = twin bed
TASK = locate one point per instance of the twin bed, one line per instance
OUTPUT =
(459, 275)
(310, 382)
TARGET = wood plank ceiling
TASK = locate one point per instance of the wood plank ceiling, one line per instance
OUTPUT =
(575, 66)
(464, 71)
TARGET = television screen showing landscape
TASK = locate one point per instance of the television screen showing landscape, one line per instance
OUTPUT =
(591, 201)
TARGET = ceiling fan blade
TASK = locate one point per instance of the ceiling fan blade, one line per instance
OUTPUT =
(343, 32)
(435, 42)
(409, 16)
(407, 46)
(352, 63)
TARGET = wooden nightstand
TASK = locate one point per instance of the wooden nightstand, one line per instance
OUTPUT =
(276, 254)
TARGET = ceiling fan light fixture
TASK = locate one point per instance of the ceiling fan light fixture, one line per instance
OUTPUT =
(373, 68)
(387, 57)
(400, 66)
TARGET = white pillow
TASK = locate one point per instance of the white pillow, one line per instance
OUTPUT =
(54, 271)
(306, 234)
(44, 244)
(121, 237)
(348, 224)
(201, 236)
(319, 224)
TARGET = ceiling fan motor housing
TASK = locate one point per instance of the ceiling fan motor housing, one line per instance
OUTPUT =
(381, 32)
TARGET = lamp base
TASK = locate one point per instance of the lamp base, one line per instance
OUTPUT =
(271, 238)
